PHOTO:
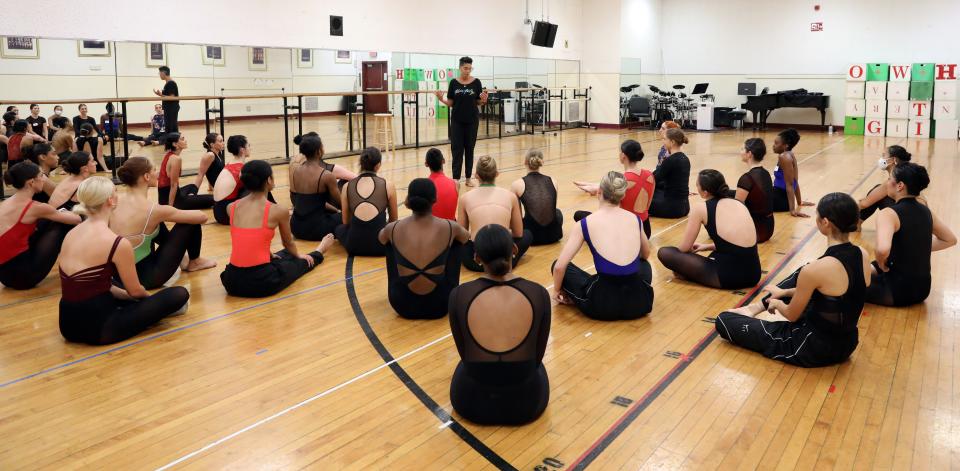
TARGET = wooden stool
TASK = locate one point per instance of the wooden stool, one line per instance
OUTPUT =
(356, 134)
(384, 131)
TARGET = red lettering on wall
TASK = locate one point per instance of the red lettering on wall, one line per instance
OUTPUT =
(919, 107)
(946, 71)
(900, 71)
(919, 126)
(855, 71)
(873, 127)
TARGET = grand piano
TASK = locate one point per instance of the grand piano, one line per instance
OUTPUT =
(763, 105)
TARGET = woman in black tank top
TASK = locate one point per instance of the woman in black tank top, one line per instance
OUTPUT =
(907, 233)
(359, 235)
(313, 189)
(423, 256)
(538, 199)
(813, 328)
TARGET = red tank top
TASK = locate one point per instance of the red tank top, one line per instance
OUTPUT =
(163, 180)
(17, 239)
(446, 205)
(234, 170)
(251, 245)
(640, 182)
(13, 148)
(89, 282)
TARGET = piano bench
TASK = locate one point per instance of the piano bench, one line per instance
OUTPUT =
(737, 117)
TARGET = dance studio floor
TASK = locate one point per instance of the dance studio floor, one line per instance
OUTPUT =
(326, 376)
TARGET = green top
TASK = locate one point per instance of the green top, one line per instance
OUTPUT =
(145, 247)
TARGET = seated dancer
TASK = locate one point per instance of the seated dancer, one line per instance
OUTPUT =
(489, 204)
(157, 252)
(423, 256)
(92, 310)
(500, 324)
(368, 203)
(786, 175)
(158, 128)
(621, 288)
(817, 307)
(90, 141)
(734, 262)
(55, 122)
(28, 250)
(754, 189)
(343, 175)
(662, 132)
(79, 167)
(640, 185)
(228, 187)
(253, 272)
(907, 233)
(212, 163)
(877, 198)
(44, 157)
(448, 189)
(315, 195)
(671, 194)
(19, 141)
(169, 190)
(538, 200)
(64, 140)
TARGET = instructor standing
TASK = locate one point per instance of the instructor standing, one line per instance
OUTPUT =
(464, 95)
(170, 108)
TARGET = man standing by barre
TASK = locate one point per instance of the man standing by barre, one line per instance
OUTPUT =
(464, 95)
(171, 108)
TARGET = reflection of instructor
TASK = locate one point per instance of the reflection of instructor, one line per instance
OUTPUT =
(464, 96)
(171, 108)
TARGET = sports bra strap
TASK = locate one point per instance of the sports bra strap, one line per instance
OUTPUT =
(266, 215)
(147, 223)
(233, 209)
(116, 243)
(24, 212)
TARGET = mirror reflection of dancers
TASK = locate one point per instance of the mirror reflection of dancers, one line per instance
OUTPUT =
(465, 95)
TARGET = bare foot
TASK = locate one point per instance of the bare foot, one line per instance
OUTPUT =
(184, 262)
(750, 310)
(325, 243)
(470, 182)
(200, 264)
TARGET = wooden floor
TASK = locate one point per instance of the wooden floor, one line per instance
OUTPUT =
(305, 380)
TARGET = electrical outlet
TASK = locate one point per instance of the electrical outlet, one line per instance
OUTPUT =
(566, 44)
(248, 108)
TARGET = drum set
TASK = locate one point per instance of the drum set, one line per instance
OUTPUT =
(675, 105)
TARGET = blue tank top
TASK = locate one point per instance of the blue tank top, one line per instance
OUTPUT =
(778, 181)
(605, 266)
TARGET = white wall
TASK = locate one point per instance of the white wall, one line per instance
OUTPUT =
(600, 64)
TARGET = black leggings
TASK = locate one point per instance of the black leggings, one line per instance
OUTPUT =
(719, 270)
(895, 289)
(463, 138)
(187, 198)
(780, 203)
(886, 202)
(577, 216)
(662, 206)
(523, 243)
(267, 279)
(610, 297)
(171, 116)
(315, 226)
(29, 268)
(507, 403)
(544, 235)
(161, 264)
(103, 319)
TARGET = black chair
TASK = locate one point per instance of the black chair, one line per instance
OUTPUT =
(639, 109)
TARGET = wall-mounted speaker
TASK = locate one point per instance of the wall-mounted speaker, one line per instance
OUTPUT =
(336, 25)
(543, 34)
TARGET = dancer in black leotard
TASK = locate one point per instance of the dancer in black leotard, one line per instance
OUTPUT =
(79, 167)
(818, 305)
(423, 256)
(538, 198)
(90, 141)
(907, 233)
(28, 250)
(141, 222)
(618, 290)
(755, 189)
(368, 202)
(212, 162)
(340, 172)
(92, 310)
(877, 198)
(501, 324)
(315, 195)
(734, 262)
(44, 156)
(169, 190)
(671, 197)
(786, 175)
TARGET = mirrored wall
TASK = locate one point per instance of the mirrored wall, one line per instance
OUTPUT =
(34, 70)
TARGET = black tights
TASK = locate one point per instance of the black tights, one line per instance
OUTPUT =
(691, 266)
(160, 265)
(463, 138)
(103, 319)
(28, 269)
(268, 279)
(577, 216)
(187, 198)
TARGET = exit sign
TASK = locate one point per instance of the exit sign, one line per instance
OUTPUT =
(816, 27)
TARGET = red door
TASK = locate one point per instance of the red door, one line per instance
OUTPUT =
(374, 79)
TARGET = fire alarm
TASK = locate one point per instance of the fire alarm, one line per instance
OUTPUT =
(816, 8)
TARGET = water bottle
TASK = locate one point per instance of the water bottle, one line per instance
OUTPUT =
(830, 129)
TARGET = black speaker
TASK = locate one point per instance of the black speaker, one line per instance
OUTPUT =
(541, 30)
(552, 35)
(336, 25)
